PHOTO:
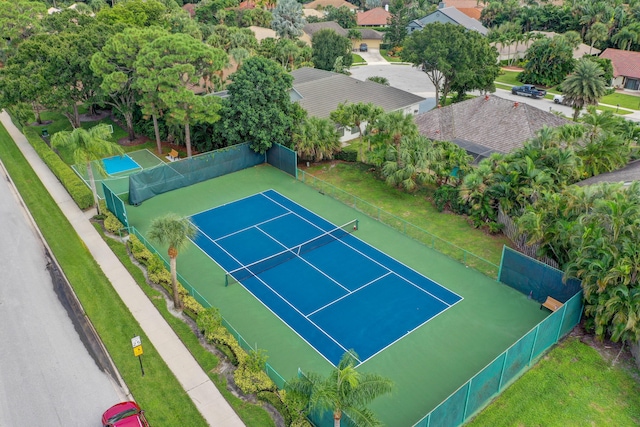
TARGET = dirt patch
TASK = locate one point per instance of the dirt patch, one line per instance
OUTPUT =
(125, 142)
(99, 115)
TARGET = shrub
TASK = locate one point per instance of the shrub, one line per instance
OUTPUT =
(79, 192)
(139, 250)
(251, 381)
(447, 197)
(111, 223)
(347, 156)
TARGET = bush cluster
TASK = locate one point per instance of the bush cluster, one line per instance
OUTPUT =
(79, 192)
(347, 156)
(111, 223)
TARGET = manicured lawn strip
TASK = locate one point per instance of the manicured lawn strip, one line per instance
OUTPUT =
(359, 180)
(356, 59)
(252, 415)
(509, 77)
(572, 386)
(625, 101)
(158, 391)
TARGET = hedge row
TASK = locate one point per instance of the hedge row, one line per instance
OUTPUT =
(249, 375)
(80, 193)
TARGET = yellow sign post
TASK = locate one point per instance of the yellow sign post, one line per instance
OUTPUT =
(136, 343)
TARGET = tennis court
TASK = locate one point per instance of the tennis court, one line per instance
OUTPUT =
(335, 291)
(115, 171)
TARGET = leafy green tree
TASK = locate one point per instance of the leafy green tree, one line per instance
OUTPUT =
(344, 391)
(585, 86)
(115, 66)
(258, 109)
(397, 25)
(342, 15)
(327, 46)
(23, 79)
(317, 139)
(358, 115)
(548, 61)
(134, 13)
(452, 57)
(392, 127)
(172, 65)
(288, 19)
(88, 145)
(175, 232)
(19, 19)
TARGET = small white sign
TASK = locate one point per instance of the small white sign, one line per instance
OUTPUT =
(136, 341)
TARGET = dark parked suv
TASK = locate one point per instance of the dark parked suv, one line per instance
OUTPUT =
(364, 47)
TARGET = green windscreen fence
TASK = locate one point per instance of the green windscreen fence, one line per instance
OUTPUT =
(171, 176)
(115, 204)
(534, 278)
(476, 393)
(283, 158)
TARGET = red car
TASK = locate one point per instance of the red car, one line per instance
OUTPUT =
(125, 414)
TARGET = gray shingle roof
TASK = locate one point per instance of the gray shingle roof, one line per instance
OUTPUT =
(486, 124)
(627, 174)
(322, 91)
(313, 28)
(457, 16)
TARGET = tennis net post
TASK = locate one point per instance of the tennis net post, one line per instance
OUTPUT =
(257, 267)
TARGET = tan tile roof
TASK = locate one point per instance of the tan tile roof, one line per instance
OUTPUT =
(471, 12)
(335, 3)
(314, 27)
(376, 16)
(486, 124)
(625, 62)
(262, 33)
(464, 4)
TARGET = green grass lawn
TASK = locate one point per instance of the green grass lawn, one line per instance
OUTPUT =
(357, 58)
(509, 77)
(571, 386)
(359, 180)
(623, 100)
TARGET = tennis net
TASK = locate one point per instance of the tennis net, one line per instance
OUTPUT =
(255, 268)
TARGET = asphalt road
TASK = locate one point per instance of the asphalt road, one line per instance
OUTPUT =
(47, 376)
(410, 79)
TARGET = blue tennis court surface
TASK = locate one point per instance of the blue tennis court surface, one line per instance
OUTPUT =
(118, 164)
(335, 291)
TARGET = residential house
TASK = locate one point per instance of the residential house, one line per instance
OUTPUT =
(486, 124)
(376, 17)
(322, 4)
(471, 8)
(519, 49)
(449, 15)
(372, 38)
(626, 68)
(319, 92)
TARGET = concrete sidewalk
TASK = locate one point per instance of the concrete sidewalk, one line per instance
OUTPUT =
(195, 381)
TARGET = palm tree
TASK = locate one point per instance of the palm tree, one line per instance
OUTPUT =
(317, 139)
(345, 391)
(585, 86)
(395, 125)
(88, 145)
(174, 231)
(597, 32)
(625, 37)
